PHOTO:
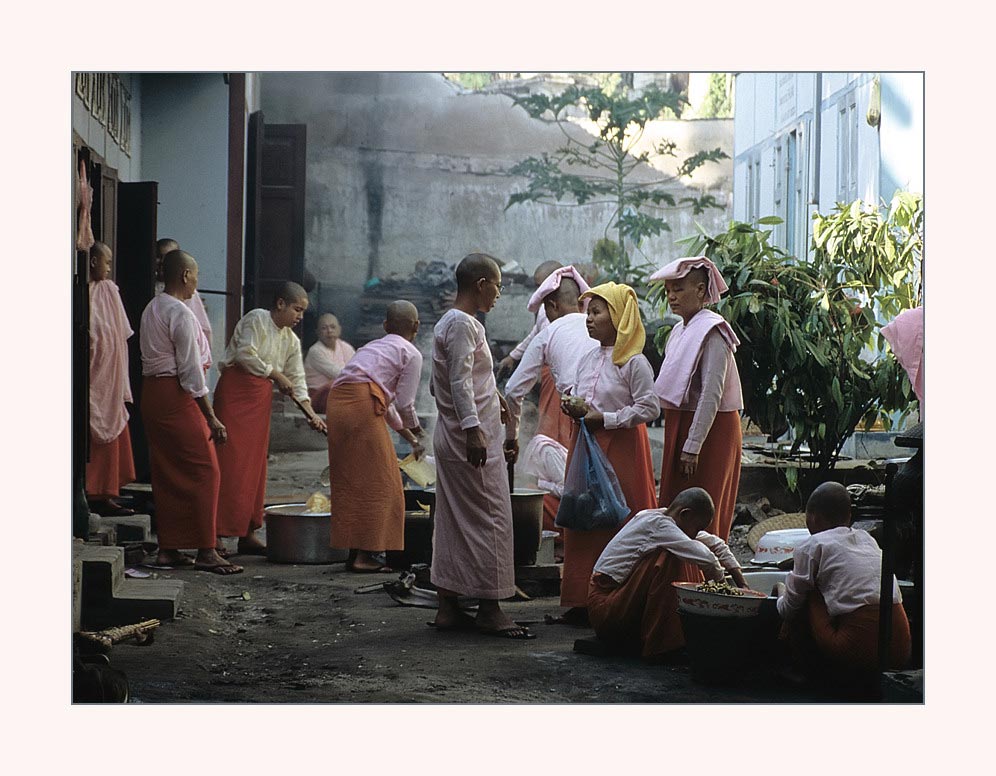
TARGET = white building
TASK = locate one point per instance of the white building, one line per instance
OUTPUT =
(806, 141)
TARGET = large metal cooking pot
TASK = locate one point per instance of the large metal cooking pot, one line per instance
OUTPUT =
(527, 524)
(296, 536)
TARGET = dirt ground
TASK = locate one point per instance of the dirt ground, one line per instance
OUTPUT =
(299, 634)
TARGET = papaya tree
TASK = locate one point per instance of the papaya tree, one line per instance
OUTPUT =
(612, 167)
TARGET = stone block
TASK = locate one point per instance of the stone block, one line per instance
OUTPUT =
(130, 528)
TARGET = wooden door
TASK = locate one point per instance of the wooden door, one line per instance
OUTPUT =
(275, 208)
(135, 275)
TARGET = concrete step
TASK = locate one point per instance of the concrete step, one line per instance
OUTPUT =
(130, 528)
(106, 598)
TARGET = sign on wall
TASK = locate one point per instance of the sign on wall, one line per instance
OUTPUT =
(108, 101)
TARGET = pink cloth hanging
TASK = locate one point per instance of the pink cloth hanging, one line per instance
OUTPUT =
(905, 337)
(84, 231)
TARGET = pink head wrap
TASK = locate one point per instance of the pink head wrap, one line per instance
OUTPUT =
(552, 283)
(681, 267)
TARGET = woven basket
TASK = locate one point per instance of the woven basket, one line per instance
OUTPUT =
(776, 523)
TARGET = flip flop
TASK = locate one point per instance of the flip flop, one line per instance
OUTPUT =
(515, 632)
(223, 569)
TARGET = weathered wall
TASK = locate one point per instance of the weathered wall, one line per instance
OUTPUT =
(403, 167)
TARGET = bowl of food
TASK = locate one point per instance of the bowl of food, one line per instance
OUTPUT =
(718, 599)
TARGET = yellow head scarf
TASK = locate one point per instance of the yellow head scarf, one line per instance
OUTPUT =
(625, 314)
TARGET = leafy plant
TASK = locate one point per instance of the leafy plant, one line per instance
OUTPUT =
(610, 168)
(811, 354)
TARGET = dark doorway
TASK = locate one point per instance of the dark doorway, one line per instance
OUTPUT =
(274, 208)
(135, 276)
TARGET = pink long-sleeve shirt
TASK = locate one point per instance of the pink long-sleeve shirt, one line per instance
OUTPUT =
(560, 346)
(395, 365)
(654, 529)
(173, 344)
(844, 564)
(623, 394)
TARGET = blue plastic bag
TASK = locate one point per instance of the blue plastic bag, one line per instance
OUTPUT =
(592, 496)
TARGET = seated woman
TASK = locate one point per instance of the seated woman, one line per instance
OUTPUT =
(325, 360)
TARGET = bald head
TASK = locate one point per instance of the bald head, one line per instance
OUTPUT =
(166, 244)
(829, 506)
(544, 270)
(401, 319)
(692, 510)
(174, 264)
(290, 292)
(475, 266)
(567, 294)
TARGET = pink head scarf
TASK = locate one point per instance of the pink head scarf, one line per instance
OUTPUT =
(681, 267)
(552, 283)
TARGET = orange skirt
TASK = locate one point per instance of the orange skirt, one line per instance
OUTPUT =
(319, 397)
(849, 641)
(110, 466)
(641, 614)
(718, 470)
(628, 450)
(368, 499)
(184, 466)
(243, 402)
(552, 422)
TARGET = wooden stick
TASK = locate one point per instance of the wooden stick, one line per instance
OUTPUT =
(301, 407)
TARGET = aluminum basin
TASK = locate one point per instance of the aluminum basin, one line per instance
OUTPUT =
(296, 536)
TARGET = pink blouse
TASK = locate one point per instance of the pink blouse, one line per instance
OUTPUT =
(395, 365)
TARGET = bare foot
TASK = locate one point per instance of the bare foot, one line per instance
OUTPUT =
(173, 558)
(250, 545)
(210, 560)
(365, 563)
(492, 620)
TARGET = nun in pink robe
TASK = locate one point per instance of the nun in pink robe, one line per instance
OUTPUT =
(110, 463)
(472, 539)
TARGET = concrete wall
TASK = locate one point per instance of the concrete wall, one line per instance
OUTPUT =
(185, 149)
(404, 167)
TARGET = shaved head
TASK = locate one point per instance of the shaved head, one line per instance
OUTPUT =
(174, 263)
(401, 311)
(290, 292)
(475, 266)
(829, 505)
(696, 499)
(166, 244)
(567, 294)
(544, 270)
(327, 317)
(99, 249)
(699, 275)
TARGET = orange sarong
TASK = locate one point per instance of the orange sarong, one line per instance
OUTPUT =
(184, 466)
(243, 402)
(110, 466)
(319, 397)
(718, 470)
(641, 614)
(368, 499)
(552, 421)
(848, 642)
(628, 450)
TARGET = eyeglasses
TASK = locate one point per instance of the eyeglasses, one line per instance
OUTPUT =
(499, 286)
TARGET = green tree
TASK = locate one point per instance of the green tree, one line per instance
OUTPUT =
(812, 357)
(609, 168)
